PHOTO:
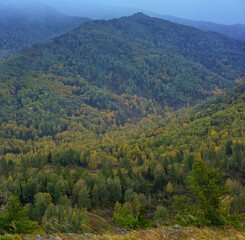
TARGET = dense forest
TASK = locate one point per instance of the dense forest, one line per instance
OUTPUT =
(26, 26)
(122, 122)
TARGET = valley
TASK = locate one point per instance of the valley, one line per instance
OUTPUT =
(118, 123)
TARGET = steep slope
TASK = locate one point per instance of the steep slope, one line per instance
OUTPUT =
(104, 74)
(150, 168)
(24, 26)
(236, 31)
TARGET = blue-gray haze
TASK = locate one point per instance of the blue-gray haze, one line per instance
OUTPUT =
(219, 11)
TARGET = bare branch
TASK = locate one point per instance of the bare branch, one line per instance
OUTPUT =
(4, 199)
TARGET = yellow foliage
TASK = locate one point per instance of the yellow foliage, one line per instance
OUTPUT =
(216, 149)
(213, 132)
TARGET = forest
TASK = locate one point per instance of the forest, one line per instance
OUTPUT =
(123, 122)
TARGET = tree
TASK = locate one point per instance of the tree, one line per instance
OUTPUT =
(207, 184)
(161, 213)
(114, 189)
(64, 218)
(15, 219)
(41, 203)
(228, 148)
(81, 194)
(170, 188)
(141, 220)
(4, 166)
(237, 157)
(179, 204)
(124, 216)
(189, 161)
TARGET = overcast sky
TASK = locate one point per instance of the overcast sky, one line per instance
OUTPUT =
(219, 11)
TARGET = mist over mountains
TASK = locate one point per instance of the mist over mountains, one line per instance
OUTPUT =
(22, 26)
(25, 23)
(225, 12)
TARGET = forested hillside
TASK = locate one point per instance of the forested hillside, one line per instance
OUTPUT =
(134, 166)
(100, 122)
(26, 26)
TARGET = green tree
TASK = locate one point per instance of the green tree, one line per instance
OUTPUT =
(189, 162)
(237, 157)
(141, 220)
(114, 189)
(207, 184)
(81, 194)
(170, 188)
(15, 220)
(83, 198)
(124, 216)
(4, 166)
(64, 218)
(228, 148)
(161, 213)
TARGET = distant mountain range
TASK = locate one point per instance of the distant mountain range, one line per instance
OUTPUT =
(22, 27)
(236, 31)
(25, 24)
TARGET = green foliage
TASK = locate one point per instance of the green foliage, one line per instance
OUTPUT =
(64, 218)
(41, 203)
(14, 219)
(129, 78)
(106, 94)
(124, 216)
(81, 195)
(161, 213)
(206, 183)
(179, 204)
(141, 221)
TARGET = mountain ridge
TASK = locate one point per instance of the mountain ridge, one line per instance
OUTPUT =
(236, 31)
(128, 67)
(24, 27)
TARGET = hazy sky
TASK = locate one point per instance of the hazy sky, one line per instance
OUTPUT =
(219, 11)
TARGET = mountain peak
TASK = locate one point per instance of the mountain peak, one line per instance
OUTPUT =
(139, 15)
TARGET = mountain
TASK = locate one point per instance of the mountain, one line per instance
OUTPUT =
(97, 127)
(26, 25)
(107, 73)
(236, 31)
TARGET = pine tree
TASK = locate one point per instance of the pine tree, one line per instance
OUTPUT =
(207, 184)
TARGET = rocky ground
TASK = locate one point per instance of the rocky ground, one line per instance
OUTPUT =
(170, 232)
